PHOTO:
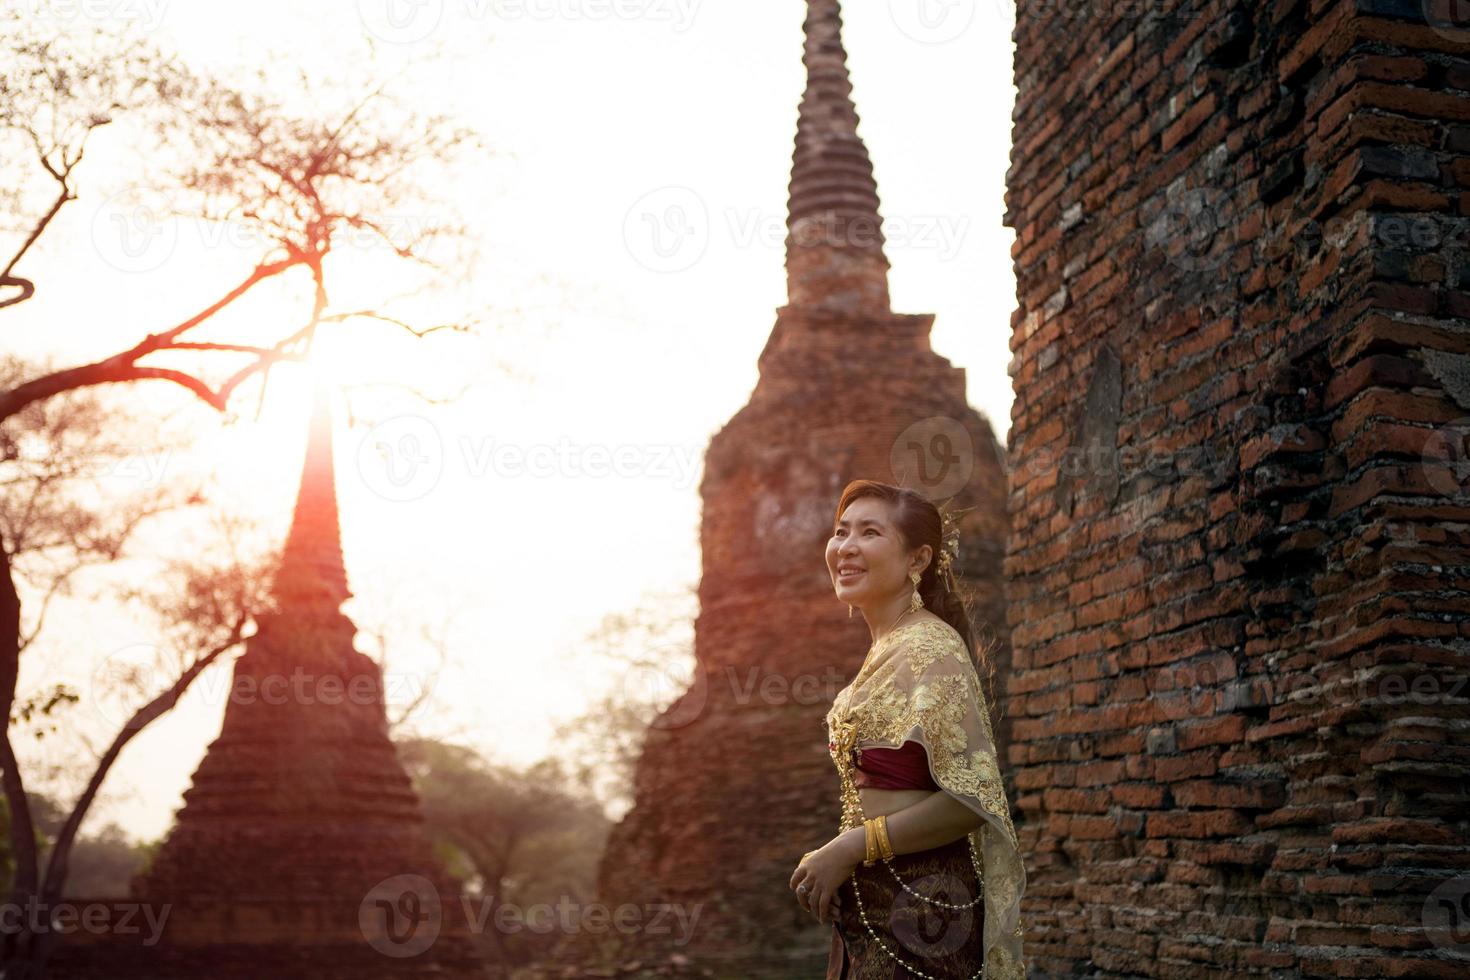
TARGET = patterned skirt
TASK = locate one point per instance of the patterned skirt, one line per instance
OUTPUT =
(946, 944)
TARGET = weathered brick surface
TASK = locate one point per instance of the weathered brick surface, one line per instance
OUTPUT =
(1237, 570)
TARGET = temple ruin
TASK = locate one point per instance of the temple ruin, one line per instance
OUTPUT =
(299, 853)
(1236, 573)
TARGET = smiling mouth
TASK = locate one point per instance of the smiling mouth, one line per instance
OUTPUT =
(850, 574)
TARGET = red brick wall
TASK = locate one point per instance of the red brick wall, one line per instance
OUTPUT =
(1237, 568)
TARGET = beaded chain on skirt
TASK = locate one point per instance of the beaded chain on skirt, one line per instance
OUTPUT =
(884, 932)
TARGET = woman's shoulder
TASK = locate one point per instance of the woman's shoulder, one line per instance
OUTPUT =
(930, 625)
(929, 638)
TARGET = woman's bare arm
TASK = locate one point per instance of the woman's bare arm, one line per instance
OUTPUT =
(931, 822)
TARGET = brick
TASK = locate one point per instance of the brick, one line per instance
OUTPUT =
(1331, 154)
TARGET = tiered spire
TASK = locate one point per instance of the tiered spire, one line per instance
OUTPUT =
(834, 248)
(301, 814)
(311, 570)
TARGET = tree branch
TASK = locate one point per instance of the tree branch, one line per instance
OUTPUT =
(22, 832)
(261, 272)
(160, 705)
(374, 315)
(62, 198)
(120, 369)
(27, 290)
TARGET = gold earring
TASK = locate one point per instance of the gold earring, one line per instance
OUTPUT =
(849, 610)
(917, 601)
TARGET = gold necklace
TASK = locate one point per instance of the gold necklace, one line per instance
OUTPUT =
(901, 615)
(847, 705)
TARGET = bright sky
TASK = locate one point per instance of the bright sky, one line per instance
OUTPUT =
(613, 121)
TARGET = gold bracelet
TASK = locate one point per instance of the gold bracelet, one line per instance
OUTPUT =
(884, 846)
(870, 844)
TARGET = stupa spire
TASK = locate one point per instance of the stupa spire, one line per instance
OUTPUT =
(834, 245)
(311, 570)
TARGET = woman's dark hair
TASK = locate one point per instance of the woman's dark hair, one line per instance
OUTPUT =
(919, 523)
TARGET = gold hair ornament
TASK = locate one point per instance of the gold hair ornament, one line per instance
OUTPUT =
(949, 545)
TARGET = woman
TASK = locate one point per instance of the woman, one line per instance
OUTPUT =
(924, 878)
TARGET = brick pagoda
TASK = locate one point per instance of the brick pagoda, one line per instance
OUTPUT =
(301, 829)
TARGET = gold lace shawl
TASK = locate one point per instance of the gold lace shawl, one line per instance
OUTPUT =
(920, 685)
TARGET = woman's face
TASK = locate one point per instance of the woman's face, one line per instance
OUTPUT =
(867, 543)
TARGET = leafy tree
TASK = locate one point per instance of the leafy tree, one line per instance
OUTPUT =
(46, 816)
(103, 865)
(648, 651)
(519, 836)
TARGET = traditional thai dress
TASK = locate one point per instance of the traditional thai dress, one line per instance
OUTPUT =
(915, 718)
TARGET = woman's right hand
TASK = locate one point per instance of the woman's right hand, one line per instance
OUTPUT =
(821, 873)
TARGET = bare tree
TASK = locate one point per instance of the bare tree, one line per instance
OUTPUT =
(48, 452)
(650, 659)
(302, 174)
(59, 516)
(298, 184)
(53, 97)
(386, 647)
